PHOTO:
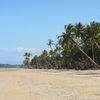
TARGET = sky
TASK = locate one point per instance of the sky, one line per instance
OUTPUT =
(26, 25)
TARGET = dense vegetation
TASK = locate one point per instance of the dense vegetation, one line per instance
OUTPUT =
(78, 47)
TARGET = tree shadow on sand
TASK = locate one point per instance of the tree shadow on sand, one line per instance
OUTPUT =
(91, 74)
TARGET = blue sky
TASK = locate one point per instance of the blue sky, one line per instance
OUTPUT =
(26, 25)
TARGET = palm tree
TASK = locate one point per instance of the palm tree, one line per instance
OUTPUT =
(50, 43)
(27, 59)
(52, 53)
(84, 53)
(65, 35)
(79, 33)
(93, 31)
(68, 36)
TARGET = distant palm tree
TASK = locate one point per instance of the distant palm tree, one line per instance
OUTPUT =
(50, 43)
(27, 59)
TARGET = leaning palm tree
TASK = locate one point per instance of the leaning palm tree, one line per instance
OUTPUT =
(92, 61)
(97, 44)
(68, 38)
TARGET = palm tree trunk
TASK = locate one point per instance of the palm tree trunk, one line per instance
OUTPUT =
(51, 47)
(92, 61)
(97, 44)
(92, 45)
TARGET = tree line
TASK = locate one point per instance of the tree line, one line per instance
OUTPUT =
(78, 47)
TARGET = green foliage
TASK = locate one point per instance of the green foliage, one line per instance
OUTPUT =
(77, 48)
(26, 61)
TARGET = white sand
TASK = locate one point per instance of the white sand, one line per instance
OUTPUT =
(25, 84)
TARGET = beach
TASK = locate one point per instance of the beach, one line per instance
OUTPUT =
(36, 84)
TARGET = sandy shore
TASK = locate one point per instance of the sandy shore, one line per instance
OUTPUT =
(25, 84)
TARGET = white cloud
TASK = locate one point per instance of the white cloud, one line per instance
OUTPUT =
(16, 55)
(19, 49)
(24, 49)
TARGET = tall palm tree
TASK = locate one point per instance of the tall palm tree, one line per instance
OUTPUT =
(84, 53)
(68, 36)
(50, 43)
(93, 31)
(27, 59)
(79, 33)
